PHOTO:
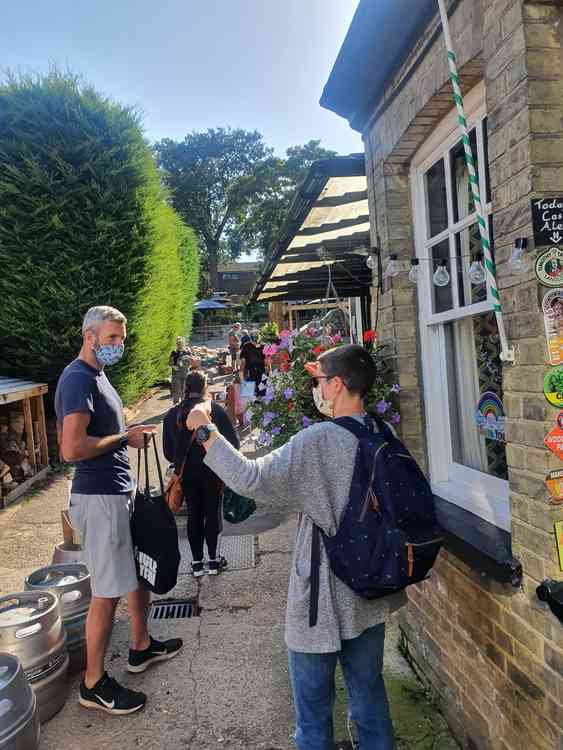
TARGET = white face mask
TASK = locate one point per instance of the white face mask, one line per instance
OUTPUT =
(324, 405)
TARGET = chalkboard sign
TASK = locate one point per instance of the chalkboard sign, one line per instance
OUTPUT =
(547, 214)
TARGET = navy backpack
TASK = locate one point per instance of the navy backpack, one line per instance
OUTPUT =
(388, 535)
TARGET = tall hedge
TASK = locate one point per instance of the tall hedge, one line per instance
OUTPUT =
(84, 220)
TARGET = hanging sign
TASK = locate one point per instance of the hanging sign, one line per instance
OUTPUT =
(489, 416)
(554, 438)
(552, 306)
(547, 216)
(553, 386)
(559, 541)
(554, 484)
(549, 267)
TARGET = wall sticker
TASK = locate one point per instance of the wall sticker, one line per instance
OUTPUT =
(554, 484)
(552, 306)
(554, 438)
(553, 386)
(549, 267)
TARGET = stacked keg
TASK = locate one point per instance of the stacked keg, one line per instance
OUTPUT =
(19, 719)
(71, 583)
(31, 629)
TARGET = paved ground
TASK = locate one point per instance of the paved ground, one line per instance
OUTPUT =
(229, 686)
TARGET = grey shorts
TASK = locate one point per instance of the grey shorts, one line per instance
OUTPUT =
(104, 525)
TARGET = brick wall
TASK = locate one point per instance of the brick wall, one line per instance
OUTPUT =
(493, 653)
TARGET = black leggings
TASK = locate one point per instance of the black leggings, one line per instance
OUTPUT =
(203, 500)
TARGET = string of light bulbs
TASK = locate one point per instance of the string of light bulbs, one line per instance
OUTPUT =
(518, 264)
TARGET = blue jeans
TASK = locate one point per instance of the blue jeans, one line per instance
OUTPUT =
(312, 682)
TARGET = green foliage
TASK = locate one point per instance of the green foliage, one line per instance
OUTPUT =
(280, 180)
(214, 177)
(84, 221)
(269, 333)
(554, 380)
(233, 190)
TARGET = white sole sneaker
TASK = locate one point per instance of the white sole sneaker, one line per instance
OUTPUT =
(114, 711)
(150, 662)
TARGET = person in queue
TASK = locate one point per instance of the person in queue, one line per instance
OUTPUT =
(93, 436)
(202, 488)
(252, 361)
(312, 474)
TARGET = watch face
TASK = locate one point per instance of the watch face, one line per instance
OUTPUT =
(202, 434)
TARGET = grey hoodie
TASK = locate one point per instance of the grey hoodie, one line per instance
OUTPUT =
(311, 474)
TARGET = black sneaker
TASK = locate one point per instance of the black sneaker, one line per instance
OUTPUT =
(214, 567)
(109, 696)
(157, 651)
(198, 569)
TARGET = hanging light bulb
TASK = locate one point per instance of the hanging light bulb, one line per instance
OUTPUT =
(371, 262)
(413, 273)
(392, 267)
(519, 262)
(477, 272)
(441, 276)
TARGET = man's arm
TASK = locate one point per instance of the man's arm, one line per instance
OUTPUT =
(77, 445)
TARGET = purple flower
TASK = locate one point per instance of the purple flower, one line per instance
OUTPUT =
(396, 388)
(264, 377)
(307, 422)
(264, 438)
(276, 430)
(288, 394)
(268, 417)
(396, 418)
(269, 395)
(382, 406)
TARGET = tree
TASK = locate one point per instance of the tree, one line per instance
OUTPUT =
(85, 221)
(215, 177)
(280, 181)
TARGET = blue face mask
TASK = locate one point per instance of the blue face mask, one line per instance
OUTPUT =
(108, 354)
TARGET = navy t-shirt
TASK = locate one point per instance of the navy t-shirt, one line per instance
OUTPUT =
(82, 388)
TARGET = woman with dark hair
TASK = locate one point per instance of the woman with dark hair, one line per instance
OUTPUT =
(252, 361)
(202, 488)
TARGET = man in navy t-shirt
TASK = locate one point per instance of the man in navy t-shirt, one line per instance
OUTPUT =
(94, 437)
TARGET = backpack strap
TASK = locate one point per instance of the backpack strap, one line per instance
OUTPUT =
(315, 565)
(362, 431)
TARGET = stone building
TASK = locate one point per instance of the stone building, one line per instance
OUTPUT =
(476, 629)
(237, 277)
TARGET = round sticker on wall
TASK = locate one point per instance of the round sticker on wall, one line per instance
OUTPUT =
(549, 267)
(553, 386)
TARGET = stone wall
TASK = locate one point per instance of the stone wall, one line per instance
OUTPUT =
(494, 653)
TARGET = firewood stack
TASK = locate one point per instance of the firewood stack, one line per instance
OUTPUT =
(15, 466)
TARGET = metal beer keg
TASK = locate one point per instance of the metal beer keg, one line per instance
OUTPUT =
(31, 629)
(71, 583)
(19, 719)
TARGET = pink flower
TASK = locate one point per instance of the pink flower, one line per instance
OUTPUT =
(270, 349)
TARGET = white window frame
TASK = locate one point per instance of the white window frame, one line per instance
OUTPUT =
(482, 494)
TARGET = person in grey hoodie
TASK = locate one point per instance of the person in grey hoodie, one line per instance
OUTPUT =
(312, 474)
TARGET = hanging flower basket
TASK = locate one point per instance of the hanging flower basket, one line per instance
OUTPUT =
(285, 404)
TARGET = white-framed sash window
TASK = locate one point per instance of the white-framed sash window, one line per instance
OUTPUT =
(459, 338)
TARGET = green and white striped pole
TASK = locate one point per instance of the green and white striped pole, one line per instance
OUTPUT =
(507, 354)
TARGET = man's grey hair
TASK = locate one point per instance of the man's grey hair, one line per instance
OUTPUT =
(98, 315)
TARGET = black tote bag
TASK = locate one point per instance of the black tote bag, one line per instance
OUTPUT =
(154, 532)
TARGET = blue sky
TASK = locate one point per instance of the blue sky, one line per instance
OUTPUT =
(194, 64)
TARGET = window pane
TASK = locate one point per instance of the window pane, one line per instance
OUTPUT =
(441, 295)
(436, 203)
(468, 247)
(474, 368)
(462, 201)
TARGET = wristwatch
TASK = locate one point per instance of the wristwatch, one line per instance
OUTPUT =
(203, 433)
(123, 441)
